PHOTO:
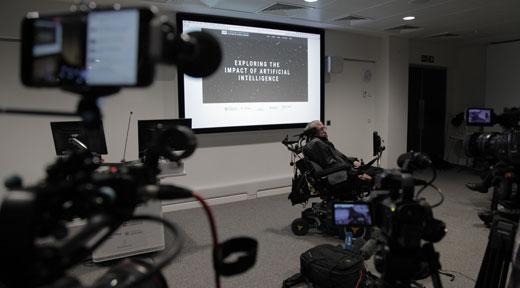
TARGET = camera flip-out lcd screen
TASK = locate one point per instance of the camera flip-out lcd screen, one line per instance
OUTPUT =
(352, 214)
(479, 117)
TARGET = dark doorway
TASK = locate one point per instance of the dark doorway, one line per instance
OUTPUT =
(426, 111)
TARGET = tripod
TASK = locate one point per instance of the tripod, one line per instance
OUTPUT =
(495, 265)
(400, 270)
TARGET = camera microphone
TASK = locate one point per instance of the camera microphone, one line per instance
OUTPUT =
(197, 54)
(413, 161)
(78, 144)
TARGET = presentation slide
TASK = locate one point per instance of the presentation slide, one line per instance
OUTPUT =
(275, 73)
(267, 77)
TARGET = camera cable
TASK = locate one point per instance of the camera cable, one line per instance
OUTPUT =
(430, 184)
(450, 273)
(438, 190)
(161, 263)
(213, 228)
(245, 247)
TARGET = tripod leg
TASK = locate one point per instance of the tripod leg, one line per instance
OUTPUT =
(484, 267)
(495, 265)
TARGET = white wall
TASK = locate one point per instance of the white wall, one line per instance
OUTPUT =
(466, 73)
(471, 78)
(225, 164)
(349, 99)
(361, 107)
(392, 102)
(27, 144)
(466, 66)
(382, 104)
(224, 159)
(503, 76)
(397, 120)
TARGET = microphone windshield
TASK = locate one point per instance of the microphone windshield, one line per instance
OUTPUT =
(414, 161)
(402, 158)
(199, 54)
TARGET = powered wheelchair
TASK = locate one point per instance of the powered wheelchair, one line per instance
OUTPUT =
(331, 185)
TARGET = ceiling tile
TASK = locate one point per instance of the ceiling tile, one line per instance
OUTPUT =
(238, 5)
(492, 19)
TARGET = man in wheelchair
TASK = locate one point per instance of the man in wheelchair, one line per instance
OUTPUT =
(326, 173)
(325, 158)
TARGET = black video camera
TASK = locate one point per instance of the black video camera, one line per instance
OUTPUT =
(95, 52)
(109, 48)
(404, 228)
(494, 145)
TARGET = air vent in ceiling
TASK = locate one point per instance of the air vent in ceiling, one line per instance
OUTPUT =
(418, 1)
(404, 28)
(443, 35)
(352, 18)
(281, 7)
(160, 1)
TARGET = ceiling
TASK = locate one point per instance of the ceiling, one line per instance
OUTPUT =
(467, 21)
(463, 21)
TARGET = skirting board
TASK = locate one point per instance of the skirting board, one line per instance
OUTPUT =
(225, 199)
(194, 204)
(274, 191)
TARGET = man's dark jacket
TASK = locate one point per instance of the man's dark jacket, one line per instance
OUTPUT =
(324, 153)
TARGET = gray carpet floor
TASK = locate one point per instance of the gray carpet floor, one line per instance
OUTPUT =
(268, 220)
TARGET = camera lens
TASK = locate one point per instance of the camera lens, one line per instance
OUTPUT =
(494, 145)
(480, 145)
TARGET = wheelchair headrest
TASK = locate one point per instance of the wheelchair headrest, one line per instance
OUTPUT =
(306, 149)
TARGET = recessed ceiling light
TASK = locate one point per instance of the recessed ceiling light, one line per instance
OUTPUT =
(311, 0)
(408, 18)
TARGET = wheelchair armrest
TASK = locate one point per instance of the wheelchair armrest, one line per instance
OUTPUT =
(326, 172)
(319, 172)
(332, 175)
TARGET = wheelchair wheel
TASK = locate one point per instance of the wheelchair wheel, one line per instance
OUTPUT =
(300, 227)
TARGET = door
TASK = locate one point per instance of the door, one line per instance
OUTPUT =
(426, 111)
